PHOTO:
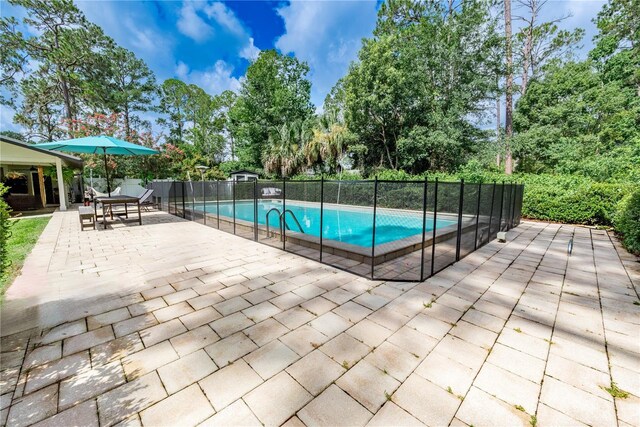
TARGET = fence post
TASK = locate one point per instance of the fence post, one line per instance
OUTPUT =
(233, 192)
(218, 202)
(373, 234)
(255, 210)
(501, 208)
(172, 189)
(204, 203)
(321, 211)
(493, 197)
(424, 226)
(459, 236)
(435, 220)
(514, 193)
(283, 220)
(184, 209)
(475, 241)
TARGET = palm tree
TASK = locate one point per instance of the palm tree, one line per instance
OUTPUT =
(328, 142)
(284, 154)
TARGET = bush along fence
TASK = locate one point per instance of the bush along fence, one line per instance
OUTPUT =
(379, 229)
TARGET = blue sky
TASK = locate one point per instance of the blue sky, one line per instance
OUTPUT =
(211, 43)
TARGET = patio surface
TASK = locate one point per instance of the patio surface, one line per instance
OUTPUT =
(174, 323)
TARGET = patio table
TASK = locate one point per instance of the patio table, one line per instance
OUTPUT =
(116, 200)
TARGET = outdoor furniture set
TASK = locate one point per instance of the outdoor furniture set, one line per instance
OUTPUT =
(108, 204)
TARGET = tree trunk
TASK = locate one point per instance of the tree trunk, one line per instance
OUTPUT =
(498, 136)
(508, 119)
(528, 46)
(127, 129)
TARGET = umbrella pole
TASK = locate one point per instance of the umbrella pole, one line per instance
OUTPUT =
(106, 170)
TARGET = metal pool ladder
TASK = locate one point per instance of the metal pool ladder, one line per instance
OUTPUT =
(283, 221)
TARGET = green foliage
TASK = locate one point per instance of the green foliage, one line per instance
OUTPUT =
(559, 133)
(627, 221)
(5, 234)
(275, 92)
(571, 199)
(411, 97)
(234, 165)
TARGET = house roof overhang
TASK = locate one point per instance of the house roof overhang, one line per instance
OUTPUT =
(67, 160)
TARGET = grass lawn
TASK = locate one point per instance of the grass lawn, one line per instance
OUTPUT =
(24, 235)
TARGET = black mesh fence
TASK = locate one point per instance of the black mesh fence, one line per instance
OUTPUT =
(471, 197)
(399, 224)
(300, 215)
(385, 230)
(347, 225)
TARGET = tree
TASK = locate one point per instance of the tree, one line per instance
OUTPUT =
(617, 50)
(540, 42)
(126, 85)
(12, 56)
(508, 113)
(420, 85)
(330, 137)
(41, 112)
(173, 103)
(65, 47)
(284, 152)
(274, 92)
(225, 102)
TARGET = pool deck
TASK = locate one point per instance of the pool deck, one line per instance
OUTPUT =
(174, 323)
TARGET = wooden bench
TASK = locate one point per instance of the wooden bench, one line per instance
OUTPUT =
(86, 212)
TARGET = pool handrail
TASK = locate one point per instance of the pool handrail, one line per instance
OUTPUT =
(267, 217)
(283, 221)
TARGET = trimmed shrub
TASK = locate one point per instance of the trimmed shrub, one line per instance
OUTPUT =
(5, 232)
(627, 221)
(571, 199)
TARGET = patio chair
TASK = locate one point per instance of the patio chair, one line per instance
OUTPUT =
(145, 200)
(271, 192)
(95, 193)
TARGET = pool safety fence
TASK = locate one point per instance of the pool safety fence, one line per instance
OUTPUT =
(383, 230)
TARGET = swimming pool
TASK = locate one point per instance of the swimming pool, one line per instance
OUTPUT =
(346, 224)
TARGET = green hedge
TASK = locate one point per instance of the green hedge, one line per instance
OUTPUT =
(570, 199)
(5, 233)
(627, 221)
(573, 200)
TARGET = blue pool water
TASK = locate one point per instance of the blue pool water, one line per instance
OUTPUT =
(347, 225)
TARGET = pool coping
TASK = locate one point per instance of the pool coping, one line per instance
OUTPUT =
(383, 252)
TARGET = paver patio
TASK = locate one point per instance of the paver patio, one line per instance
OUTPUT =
(174, 323)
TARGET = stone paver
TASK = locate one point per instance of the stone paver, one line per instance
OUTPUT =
(315, 371)
(277, 399)
(237, 414)
(168, 326)
(186, 371)
(230, 383)
(186, 408)
(334, 408)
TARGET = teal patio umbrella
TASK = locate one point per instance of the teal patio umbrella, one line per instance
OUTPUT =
(101, 144)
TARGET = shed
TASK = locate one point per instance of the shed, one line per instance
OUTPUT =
(243, 175)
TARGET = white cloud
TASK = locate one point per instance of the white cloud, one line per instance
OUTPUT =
(213, 80)
(250, 51)
(327, 35)
(133, 26)
(225, 17)
(191, 24)
(182, 70)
